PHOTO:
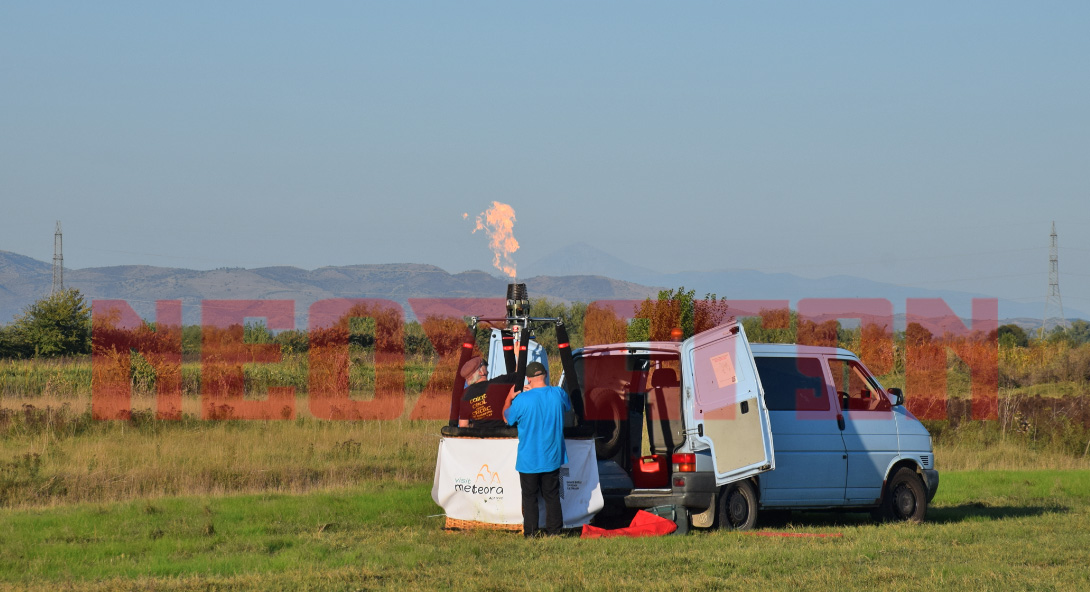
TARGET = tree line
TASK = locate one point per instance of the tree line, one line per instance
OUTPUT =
(60, 325)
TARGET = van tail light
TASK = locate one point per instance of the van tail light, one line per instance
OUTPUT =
(684, 463)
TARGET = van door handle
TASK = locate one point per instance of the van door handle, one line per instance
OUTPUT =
(840, 421)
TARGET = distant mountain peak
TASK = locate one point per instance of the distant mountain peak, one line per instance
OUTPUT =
(16, 263)
(585, 259)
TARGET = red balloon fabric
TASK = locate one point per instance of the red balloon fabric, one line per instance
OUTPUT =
(643, 525)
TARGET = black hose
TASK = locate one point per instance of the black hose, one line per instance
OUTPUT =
(524, 353)
(571, 380)
(459, 388)
(508, 340)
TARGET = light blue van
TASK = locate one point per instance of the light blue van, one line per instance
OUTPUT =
(722, 430)
(842, 441)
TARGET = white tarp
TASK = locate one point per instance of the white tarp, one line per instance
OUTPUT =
(475, 479)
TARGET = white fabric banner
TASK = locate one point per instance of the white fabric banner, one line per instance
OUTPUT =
(475, 479)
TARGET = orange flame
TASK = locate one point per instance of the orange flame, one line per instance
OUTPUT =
(498, 222)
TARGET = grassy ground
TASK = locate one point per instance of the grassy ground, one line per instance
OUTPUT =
(51, 456)
(345, 505)
(987, 530)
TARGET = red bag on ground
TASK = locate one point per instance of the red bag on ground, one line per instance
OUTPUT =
(644, 524)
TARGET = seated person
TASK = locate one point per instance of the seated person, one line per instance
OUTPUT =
(482, 402)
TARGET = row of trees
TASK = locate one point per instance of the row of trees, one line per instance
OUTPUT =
(1076, 334)
(60, 325)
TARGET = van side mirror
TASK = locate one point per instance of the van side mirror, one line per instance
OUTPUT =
(898, 396)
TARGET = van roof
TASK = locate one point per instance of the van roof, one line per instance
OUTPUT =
(794, 348)
(651, 346)
(782, 349)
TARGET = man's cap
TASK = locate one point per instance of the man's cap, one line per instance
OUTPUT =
(535, 369)
(470, 367)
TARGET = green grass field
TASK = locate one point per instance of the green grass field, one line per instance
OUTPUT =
(1008, 530)
(309, 504)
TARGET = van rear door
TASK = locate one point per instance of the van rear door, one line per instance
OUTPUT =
(723, 397)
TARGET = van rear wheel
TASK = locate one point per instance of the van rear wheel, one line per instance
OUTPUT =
(906, 497)
(738, 506)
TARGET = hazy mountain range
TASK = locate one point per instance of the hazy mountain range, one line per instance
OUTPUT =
(24, 280)
(575, 273)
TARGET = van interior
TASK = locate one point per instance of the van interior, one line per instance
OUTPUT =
(632, 401)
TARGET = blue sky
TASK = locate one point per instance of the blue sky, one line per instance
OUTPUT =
(924, 144)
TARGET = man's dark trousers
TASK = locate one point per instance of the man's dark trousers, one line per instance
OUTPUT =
(548, 484)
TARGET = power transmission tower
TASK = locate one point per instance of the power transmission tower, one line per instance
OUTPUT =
(58, 262)
(1054, 306)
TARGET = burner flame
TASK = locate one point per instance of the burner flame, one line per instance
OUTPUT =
(498, 222)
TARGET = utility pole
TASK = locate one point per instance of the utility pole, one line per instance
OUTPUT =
(58, 262)
(1054, 306)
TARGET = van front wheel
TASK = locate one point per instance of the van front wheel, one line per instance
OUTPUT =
(738, 506)
(906, 497)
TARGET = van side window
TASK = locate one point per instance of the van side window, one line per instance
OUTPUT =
(856, 390)
(793, 384)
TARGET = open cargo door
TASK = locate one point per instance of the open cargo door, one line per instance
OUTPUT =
(726, 402)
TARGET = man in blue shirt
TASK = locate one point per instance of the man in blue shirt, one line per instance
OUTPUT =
(539, 414)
